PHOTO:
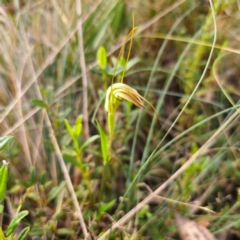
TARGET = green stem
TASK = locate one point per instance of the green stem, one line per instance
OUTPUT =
(103, 180)
(111, 127)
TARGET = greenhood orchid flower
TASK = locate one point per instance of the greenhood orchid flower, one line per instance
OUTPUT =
(117, 93)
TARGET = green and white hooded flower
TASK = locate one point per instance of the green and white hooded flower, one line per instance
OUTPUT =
(117, 92)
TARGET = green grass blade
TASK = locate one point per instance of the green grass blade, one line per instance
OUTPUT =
(23, 234)
(13, 224)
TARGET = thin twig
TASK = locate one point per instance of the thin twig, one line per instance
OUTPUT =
(84, 70)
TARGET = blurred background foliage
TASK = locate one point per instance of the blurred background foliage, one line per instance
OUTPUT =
(40, 83)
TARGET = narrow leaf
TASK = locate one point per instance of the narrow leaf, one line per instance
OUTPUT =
(90, 140)
(78, 126)
(56, 190)
(104, 143)
(107, 206)
(23, 234)
(43, 178)
(4, 141)
(102, 58)
(71, 159)
(13, 224)
(33, 176)
(69, 128)
(3, 180)
(39, 103)
(65, 231)
(132, 62)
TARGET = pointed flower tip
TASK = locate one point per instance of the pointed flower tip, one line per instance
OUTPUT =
(117, 92)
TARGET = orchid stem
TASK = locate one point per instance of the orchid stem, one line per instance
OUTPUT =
(111, 127)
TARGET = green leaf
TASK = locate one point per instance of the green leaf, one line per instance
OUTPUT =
(78, 127)
(105, 207)
(119, 19)
(37, 231)
(132, 62)
(3, 180)
(122, 61)
(114, 61)
(24, 184)
(110, 71)
(102, 58)
(23, 234)
(43, 178)
(121, 68)
(104, 143)
(71, 159)
(56, 190)
(39, 103)
(13, 224)
(90, 140)
(33, 177)
(65, 231)
(4, 141)
(1, 208)
(69, 128)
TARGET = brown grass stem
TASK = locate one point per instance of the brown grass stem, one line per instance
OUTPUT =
(83, 68)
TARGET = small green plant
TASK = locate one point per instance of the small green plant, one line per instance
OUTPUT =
(9, 235)
(117, 92)
(74, 132)
(76, 151)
